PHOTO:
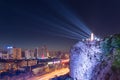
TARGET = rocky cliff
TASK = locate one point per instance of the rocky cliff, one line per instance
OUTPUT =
(109, 66)
(93, 60)
(83, 59)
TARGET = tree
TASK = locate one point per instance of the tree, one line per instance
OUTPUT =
(116, 41)
(106, 45)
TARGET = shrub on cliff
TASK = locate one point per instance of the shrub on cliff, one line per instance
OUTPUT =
(116, 41)
(106, 45)
(110, 45)
(116, 62)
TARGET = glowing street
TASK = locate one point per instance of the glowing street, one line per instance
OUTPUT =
(51, 75)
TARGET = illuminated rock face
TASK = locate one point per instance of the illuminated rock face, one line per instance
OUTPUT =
(84, 56)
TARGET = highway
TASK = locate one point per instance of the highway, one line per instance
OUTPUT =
(51, 75)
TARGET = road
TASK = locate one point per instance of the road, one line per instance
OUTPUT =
(51, 75)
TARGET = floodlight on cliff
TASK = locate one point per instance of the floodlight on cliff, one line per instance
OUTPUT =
(97, 39)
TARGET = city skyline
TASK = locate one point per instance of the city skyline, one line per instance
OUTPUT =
(51, 45)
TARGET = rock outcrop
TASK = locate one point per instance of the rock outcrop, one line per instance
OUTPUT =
(84, 57)
(105, 70)
(96, 60)
(109, 66)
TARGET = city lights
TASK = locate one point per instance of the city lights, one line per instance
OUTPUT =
(9, 47)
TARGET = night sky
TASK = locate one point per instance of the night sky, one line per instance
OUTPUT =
(27, 23)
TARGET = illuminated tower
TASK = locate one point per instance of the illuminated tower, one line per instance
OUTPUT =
(92, 37)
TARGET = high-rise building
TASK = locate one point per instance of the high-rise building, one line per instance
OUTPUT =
(32, 54)
(9, 50)
(16, 53)
(5, 55)
(27, 54)
(41, 52)
(46, 52)
(37, 52)
(1, 54)
(23, 54)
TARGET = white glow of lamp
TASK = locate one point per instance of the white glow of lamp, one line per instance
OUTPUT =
(92, 37)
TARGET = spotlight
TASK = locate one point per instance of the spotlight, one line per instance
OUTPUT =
(97, 39)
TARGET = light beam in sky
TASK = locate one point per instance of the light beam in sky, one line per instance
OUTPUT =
(68, 25)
